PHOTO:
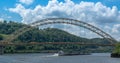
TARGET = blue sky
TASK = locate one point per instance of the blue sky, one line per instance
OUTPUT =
(5, 4)
(104, 14)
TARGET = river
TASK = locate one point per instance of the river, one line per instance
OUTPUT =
(54, 58)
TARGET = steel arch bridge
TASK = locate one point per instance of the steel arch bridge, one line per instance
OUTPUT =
(64, 21)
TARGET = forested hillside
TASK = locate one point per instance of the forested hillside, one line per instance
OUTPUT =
(47, 35)
(42, 35)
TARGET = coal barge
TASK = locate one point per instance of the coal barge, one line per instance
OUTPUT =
(62, 53)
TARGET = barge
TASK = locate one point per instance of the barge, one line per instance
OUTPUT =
(61, 53)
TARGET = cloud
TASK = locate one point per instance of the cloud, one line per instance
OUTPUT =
(86, 11)
(5, 16)
(116, 28)
(116, 31)
(28, 2)
(94, 13)
(1, 19)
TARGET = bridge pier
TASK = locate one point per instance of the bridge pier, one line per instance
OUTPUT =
(1, 49)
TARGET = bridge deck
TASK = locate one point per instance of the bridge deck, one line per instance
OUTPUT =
(38, 43)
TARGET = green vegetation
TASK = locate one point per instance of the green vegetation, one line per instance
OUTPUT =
(9, 27)
(1, 37)
(116, 52)
(117, 49)
(48, 35)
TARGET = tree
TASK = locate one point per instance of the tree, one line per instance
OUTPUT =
(1, 37)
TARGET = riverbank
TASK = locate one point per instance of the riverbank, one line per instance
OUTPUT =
(32, 51)
(115, 55)
(116, 52)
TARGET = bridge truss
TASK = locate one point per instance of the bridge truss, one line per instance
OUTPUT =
(63, 21)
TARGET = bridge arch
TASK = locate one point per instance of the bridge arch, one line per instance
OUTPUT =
(62, 20)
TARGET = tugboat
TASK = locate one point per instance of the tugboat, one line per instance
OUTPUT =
(61, 53)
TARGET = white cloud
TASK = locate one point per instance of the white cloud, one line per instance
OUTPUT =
(86, 11)
(113, 30)
(116, 31)
(1, 19)
(79, 31)
(93, 13)
(26, 1)
(116, 28)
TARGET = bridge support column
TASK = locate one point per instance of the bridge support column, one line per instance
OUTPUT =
(1, 49)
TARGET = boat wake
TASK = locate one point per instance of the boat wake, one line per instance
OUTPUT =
(56, 54)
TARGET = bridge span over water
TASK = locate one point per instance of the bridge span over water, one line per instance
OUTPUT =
(57, 43)
(10, 38)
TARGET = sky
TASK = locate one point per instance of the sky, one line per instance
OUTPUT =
(104, 14)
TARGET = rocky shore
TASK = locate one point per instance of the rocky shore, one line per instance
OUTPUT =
(115, 55)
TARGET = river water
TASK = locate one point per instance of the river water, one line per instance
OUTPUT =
(54, 58)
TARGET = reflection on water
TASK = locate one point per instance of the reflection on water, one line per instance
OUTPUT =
(54, 58)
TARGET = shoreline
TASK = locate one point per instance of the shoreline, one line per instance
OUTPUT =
(115, 55)
(21, 52)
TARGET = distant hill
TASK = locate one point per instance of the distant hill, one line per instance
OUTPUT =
(43, 35)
